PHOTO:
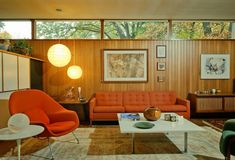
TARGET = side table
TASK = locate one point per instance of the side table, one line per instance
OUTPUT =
(31, 130)
(81, 108)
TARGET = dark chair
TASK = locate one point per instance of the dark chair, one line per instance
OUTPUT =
(227, 140)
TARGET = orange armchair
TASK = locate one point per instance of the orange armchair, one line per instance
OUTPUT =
(45, 111)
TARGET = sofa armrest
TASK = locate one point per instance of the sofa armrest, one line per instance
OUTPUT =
(184, 102)
(92, 105)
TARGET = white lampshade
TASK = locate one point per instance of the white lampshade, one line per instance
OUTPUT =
(59, 55)
(74, 72)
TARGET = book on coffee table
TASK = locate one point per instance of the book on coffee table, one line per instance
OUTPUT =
(131, 116)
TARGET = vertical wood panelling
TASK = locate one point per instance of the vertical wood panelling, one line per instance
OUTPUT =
(182, 72)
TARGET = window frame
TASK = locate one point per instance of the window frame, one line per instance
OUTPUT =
(35, 28)
(200, 20)
(169, 27)
(122, 20)
(32, 26)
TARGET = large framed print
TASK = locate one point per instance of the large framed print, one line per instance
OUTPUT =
(125, 65)
(215, 66)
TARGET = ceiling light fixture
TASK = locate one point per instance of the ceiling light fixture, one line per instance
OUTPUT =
(59, 55)
(74, 71)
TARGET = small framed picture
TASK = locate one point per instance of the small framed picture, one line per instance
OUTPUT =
(161, 51)
(161, 66)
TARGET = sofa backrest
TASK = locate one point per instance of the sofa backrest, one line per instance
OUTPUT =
(136, 98)
(162, 97)
(109, 98)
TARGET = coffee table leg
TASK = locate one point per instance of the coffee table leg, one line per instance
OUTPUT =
(185, 141)
(133, 144)
(18, 141)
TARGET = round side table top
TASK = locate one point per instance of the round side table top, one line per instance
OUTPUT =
(29, 131)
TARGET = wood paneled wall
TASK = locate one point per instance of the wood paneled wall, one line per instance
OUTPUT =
(182, 65)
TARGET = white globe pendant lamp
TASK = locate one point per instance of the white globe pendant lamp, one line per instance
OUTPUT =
(74, 72)
(59, 55)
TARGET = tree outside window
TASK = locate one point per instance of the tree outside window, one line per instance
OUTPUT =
(201, 30)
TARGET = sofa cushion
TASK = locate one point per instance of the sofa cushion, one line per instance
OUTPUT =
(109, 99)
(106, 109)
(162, 97)
(172, 108)
(135, 108)
(136, 98)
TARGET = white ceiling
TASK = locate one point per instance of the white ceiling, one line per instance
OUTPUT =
(117, 9)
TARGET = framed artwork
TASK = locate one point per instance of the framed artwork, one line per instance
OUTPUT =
(124, 65)
(161, 51)
(215, 66)
(161, 66)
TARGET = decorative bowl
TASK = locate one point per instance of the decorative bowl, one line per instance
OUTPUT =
(152, 113)
(144, 125)
(18, 122)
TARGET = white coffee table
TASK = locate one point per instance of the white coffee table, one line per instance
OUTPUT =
(31, 130)
(161, 126)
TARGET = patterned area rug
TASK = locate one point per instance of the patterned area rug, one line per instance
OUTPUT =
(217, 124)
(106, 142)
(113, 142)
(28, 146)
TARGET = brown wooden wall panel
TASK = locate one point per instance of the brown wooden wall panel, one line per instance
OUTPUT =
(182, 72)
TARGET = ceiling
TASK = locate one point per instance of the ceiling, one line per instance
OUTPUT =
(117, 9)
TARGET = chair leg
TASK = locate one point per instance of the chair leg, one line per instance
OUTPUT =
(75, 137)
(229, 147)
(228, 154)
(227, 158)
(49, 145)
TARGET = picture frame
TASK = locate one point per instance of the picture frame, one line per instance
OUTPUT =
(124, 65)
(161, 51)
(215, 66)
(161, 66)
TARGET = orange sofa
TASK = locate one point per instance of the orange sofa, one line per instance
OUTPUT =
(105, 105)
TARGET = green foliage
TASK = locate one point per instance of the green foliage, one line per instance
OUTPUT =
(21, 47)
(68, 29)
(156, 30)
(5, 35)
(91, 29)
(1, 25)
(202, 30)
(123, 29)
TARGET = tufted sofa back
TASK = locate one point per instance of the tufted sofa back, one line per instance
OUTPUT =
(109, 98)
(136, 98)
(162, 97)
